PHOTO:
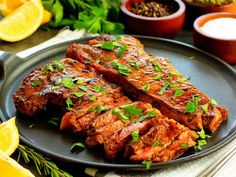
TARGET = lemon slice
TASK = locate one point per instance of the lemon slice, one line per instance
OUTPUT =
(10, 168)
(22, 22)
(9, 137)
(8, 6)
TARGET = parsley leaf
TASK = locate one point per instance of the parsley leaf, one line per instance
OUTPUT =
(150, 114)
(213, 102)
(48, 68)
(134, 65)
(157, 67)
(192, 105)
(78, 94)
(98, 88)
(184, 145)
(202, 140)
(205, 108)
(121, 50)
(101, 109)
(57, 63)
(92, 109)
(164, 87)
(146, 87)
(158, 77)
(77, 145)
(178, 92)
(122, 69)
(135, 136)
(68, 83)
(83, 88)
(147, 163)
(36, 83)
(132, 109)
(155, 143)
(118, 113)
(203, 135)
(54, 121)
(69, 103)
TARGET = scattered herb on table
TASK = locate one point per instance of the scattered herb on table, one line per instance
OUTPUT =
(77, 145)
(202, 140)
(54, 121)
(95, 16)
(192, 58)
(148, 164)
(44, 165)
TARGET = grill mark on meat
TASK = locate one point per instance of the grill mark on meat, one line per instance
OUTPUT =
(132, 84)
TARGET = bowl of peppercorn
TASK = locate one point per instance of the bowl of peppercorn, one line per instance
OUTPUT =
(159, 18)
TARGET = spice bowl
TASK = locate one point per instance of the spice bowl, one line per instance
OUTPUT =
(166, 26)
(219, 42)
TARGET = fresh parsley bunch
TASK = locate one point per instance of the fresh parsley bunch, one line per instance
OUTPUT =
(96, 16)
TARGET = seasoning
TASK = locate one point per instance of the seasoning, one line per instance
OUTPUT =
(153, 8)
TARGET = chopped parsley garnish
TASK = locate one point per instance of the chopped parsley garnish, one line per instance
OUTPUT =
(122, 69)
(101, 109)
(157, 67)
(97, 61)
(150, 114)
(118, 113)
(158, 77)
(162, 143)
(68, 83)
(77, 146)
(135, 136)
(191, 57)
(93, 98)
(178, 92)
(58, 81)
(121, 50)
(57, 63)
(132, 109)
(31, 125)
(48, 68)
(134, 65)
(155, 143)
(184, 145)
(192, 105)
(98, 88)
(83, 88)
(164, 87)
(78, 94)
(54, 121)
(106, 45)
(79, 81)
(205, 108)
(174, 73)
(147, 163)
(36, 83)
(202, 140)
(69, 104)
(92, 109)
(213, 102)
(146, 87)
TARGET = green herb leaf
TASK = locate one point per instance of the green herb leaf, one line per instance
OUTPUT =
(93, 98)
(36, 83)
(108, 45)
(80, 81)
(78, 94)
(191, 57)
(146, 87)
(77, 145)
(58, 64)
(191, 106)
(184, 145)
(122, 69)
(155, 143)
(213, 102)
(54, 121)
(158, 77)
(205, 108)
(150, 114)
(175, 73)
(92, 109)
(134, 65)
(98, 88)
(68, 83)
(135, 136)
(178, 92)
(121, 50)
(69, 103)
(199, 145)
(132, 109)
(83, 88)
(48, 68)
(58, 81)
(118, 113)
(102, 109)
(203, 135)
(147, 163)
(164, 87)
(157, 67)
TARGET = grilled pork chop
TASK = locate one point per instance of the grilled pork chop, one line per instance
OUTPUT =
(150, 79)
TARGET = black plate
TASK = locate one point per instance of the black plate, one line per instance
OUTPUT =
(209, 74)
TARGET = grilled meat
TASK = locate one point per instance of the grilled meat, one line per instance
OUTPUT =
(150, 79)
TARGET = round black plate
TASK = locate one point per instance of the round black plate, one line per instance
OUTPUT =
(209, 74)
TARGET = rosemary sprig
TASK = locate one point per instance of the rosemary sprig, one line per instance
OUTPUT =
(42, 164)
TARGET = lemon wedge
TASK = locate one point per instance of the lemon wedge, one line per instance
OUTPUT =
(22, 22)
(8, 6)
(10, 168)
(9, 137)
